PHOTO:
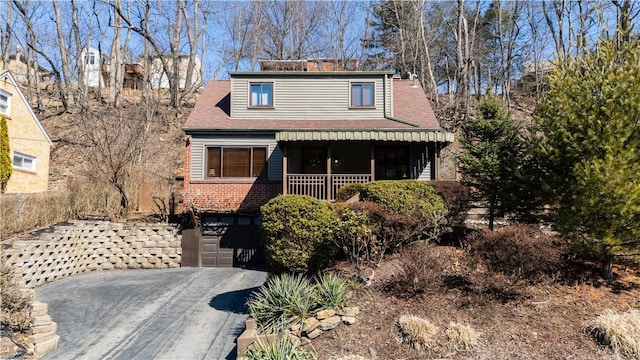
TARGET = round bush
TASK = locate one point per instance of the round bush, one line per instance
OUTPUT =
(297, 231)
(410, 207)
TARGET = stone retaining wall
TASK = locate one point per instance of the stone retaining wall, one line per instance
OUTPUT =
(82, 246)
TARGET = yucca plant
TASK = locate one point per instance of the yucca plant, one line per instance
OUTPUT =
(283, 301)
(333, 292)
(280, 349)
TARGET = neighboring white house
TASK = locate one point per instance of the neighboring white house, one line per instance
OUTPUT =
(93, 75)
(158, 77)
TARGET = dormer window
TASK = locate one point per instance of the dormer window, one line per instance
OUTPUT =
(362, 95)
(261, 95)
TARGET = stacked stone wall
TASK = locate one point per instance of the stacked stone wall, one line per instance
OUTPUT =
(82, 246)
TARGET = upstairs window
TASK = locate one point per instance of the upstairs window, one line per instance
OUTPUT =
(261, 95)
(5, 98)
(362, 95)
(24, 162)
(90, 59)
(236, 162)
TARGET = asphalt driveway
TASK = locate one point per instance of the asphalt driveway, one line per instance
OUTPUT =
(184, 313)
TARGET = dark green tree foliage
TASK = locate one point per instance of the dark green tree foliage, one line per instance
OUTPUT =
(590, 118)
(5, 154)
(297, 231)
(494, 162)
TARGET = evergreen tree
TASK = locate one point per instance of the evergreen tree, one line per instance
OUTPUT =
(494, 158)
(5, 154)
(590, 118)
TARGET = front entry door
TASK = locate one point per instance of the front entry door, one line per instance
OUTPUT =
(314, 160)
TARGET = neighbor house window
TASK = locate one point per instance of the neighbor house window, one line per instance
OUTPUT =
(261, 95)
(24, 162)
(362, 95)
(236, 162)
(90, 59)
(5, 98)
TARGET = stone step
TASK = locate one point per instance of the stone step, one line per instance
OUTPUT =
(42, 329)
(39, 338)
(39, 308)
(41, 320)
(46, 346)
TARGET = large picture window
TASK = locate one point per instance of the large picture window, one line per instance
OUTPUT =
(24, 162)
(236, 162)
(362, 95)
(261, 95)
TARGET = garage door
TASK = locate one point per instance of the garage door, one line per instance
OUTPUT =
(231, 241)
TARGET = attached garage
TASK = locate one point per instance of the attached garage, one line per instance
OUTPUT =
(224, 241)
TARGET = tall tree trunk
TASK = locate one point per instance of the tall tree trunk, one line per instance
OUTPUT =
(6, 37)
(64, 56)
(81, 99)
(116, 64)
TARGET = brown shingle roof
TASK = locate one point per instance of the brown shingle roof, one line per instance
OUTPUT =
(213, 109)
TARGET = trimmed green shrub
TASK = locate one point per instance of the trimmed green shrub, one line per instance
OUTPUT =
(332, 291)
(348, 191)
(279, 349)
(283, 301)
(354, 235)
(409, 210)
(298, 233)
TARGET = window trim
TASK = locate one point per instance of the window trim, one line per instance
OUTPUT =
(7, 109)
(90, 58)
(222, 147)
(250, 105)
(373, 95)
(24, 156)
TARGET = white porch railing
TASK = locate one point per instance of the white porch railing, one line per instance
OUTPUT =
(318, 185)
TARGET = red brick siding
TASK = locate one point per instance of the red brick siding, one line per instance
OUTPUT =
(230, 196)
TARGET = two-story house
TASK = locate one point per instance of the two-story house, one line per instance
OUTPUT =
(159, 80)
(264, 133)
(29, 142)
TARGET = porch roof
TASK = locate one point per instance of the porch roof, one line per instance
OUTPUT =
(417, 135)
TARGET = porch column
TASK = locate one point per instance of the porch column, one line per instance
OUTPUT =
(329, 185)
(373, 163)
(284, 169)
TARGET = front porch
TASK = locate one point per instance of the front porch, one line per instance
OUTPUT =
(319, 169)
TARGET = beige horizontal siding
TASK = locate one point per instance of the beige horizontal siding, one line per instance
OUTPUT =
(306, 98)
